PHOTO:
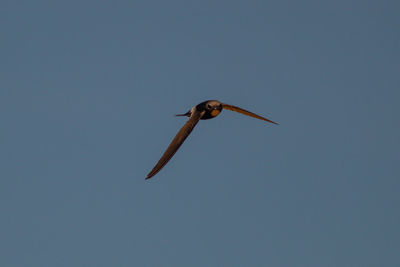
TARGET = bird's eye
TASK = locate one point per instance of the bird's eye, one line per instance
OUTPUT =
(208, 106)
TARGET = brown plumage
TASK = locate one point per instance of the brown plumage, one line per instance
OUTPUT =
(203, 111)
(245, 112)
(176, 143)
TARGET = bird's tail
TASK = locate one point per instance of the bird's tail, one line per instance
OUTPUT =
(187, 114)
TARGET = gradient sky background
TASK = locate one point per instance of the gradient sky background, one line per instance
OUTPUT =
(87, 98)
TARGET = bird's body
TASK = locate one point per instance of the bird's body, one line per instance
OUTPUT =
(204, 111)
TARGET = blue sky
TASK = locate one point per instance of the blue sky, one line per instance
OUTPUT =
(87, 96)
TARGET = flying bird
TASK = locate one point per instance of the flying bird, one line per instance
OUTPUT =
(206, 110)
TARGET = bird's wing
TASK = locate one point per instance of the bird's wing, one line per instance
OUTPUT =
(176, 142)
(245, 112)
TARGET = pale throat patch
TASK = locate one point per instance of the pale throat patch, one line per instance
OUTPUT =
(215, 112)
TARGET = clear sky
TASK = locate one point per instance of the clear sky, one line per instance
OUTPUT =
(88, 90)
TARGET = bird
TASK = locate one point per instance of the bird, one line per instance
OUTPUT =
(204, 111)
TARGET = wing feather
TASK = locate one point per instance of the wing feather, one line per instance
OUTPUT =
(176, 142)
(245, 112)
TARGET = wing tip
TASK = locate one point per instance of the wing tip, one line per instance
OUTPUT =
(149, 175)
(246, 112)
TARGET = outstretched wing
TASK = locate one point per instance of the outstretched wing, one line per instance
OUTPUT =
(176, 142)
(245, 112)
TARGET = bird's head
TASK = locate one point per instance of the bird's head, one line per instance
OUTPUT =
(212, 109)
